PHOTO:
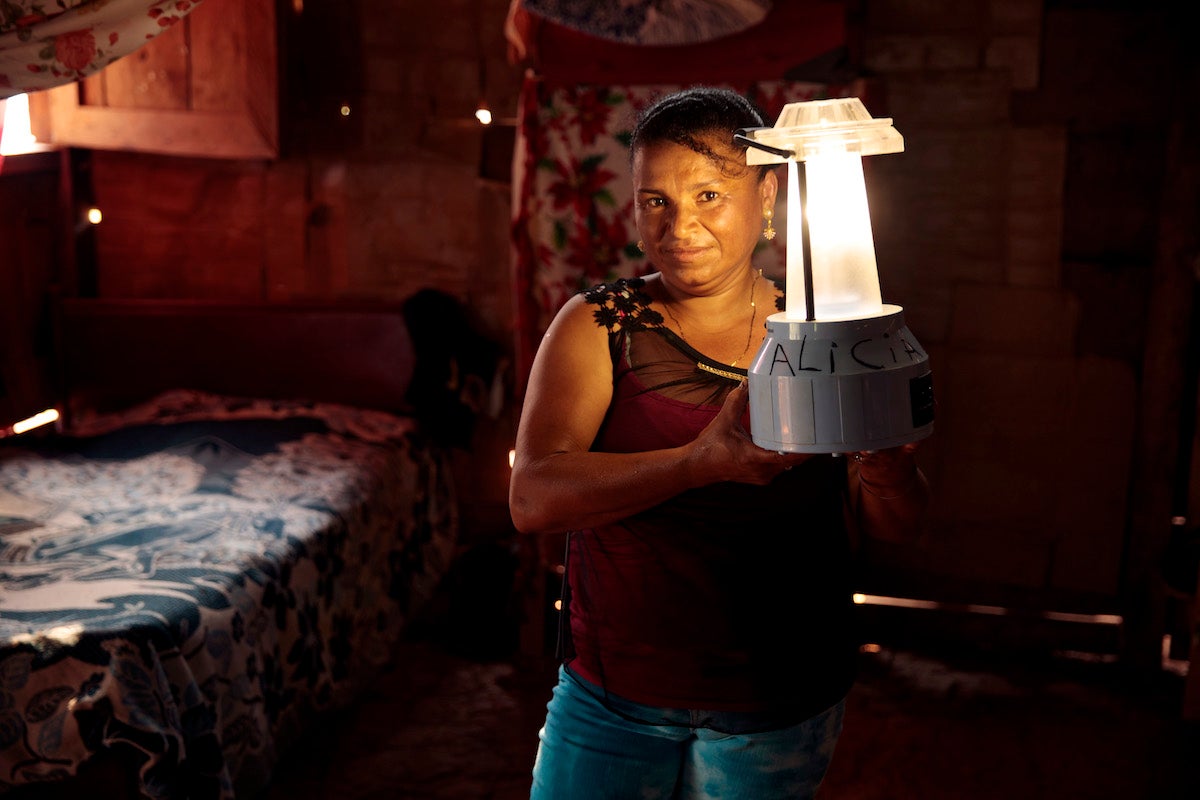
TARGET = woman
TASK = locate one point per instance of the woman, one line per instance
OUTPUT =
(708, 644)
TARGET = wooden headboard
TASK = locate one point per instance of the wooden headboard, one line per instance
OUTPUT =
(113, 353)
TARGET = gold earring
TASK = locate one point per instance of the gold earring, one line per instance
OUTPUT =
(641, 245)
(769, 230)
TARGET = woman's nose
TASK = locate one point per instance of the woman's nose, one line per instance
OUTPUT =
(681, 219)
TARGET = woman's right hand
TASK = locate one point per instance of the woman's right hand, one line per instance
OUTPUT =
(724, 450)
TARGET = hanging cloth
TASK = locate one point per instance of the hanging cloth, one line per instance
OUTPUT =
(653, 22)
(43, 44)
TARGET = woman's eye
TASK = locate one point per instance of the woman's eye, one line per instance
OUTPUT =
(709, 196)
(655, 202)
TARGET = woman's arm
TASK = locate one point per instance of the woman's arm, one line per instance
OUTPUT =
(559, 484)
(889, 495)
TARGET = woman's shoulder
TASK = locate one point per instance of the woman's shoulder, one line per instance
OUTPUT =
(622, 304)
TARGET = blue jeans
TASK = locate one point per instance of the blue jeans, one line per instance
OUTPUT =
(592, 748)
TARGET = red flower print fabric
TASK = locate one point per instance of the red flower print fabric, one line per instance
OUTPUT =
(47, 43)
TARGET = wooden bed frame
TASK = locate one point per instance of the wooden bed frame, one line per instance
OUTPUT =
(114, 353)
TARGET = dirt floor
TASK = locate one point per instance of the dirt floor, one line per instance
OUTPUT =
(440, 724)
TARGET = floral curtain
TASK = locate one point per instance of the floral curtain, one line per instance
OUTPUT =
(572, 192)
(653, 22)
(47, 43)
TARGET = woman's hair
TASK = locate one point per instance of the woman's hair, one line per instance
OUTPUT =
(686, 117)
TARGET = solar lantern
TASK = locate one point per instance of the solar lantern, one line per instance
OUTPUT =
(838, 371)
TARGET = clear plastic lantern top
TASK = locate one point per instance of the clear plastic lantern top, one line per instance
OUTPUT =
(809, 128)
(830, 137)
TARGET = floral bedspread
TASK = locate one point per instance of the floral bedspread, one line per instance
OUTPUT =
(189, 584)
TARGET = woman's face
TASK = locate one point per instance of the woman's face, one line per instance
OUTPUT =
(700, 219)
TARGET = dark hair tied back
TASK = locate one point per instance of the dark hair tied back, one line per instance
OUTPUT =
(684, 117)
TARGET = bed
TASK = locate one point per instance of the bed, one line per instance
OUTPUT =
(238, 516)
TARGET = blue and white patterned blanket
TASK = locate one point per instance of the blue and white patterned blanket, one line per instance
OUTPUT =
(188, 584)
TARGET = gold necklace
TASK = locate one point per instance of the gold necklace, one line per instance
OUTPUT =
(753, 319)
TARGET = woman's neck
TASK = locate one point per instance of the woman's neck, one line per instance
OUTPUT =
(725, 326)
(712, 311)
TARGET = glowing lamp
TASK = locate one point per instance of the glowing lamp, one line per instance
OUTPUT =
(838, 370)
(29, 423)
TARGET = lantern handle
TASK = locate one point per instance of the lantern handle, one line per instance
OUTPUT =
(740, 137)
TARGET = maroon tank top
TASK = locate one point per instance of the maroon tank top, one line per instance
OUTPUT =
(731, 597)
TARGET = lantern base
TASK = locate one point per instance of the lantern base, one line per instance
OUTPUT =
(840, 386)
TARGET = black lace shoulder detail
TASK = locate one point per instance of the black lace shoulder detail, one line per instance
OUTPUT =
(781, 299)
(623, 306)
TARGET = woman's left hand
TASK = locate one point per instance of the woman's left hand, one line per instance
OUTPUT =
(893, 468)
(890, 493)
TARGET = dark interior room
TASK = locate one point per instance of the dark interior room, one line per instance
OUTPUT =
(273, 274)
